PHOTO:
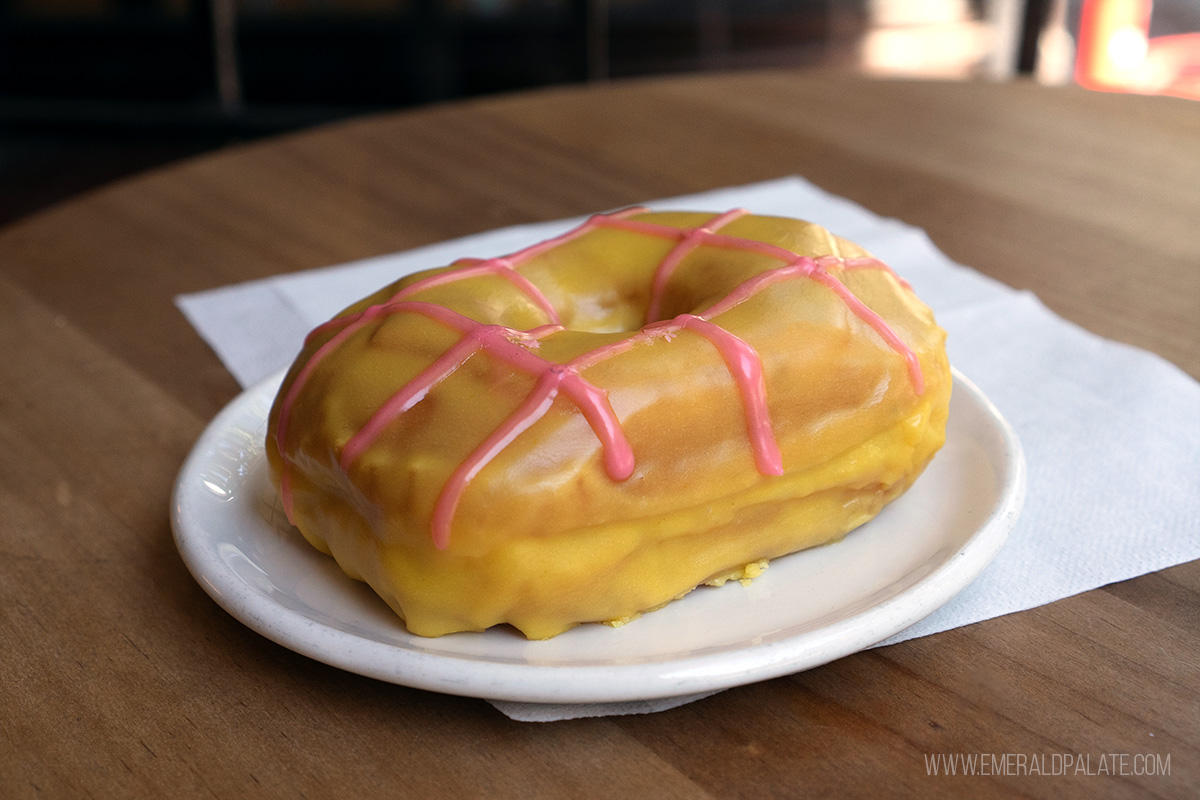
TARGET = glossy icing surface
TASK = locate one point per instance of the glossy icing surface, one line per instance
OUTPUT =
(592, 426)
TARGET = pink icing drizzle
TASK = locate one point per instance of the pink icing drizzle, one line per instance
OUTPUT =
(502, 267)
(862, 262)
(514, 348)
(690, 241)
(745, 365)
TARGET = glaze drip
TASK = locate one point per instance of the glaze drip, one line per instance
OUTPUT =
(515, 348)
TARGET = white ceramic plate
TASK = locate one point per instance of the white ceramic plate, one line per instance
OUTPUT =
(807, 609)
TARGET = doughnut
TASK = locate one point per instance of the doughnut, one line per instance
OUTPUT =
(591, 427)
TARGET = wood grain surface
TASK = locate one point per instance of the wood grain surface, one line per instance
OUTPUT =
(121, 678)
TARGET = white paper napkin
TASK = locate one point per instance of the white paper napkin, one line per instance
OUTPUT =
(1111, 433)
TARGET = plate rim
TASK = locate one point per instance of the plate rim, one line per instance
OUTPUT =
(449, 673)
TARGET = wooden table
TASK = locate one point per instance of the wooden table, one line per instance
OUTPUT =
(121, 678)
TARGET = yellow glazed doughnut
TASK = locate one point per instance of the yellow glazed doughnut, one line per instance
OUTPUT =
(593, 426)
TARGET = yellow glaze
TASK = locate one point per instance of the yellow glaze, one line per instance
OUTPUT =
(543, 538)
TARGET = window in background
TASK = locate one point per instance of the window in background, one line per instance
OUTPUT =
(943, 38)
(1146, 46)
(909, 38)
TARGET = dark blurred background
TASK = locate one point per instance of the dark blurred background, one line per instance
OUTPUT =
(92, 90)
